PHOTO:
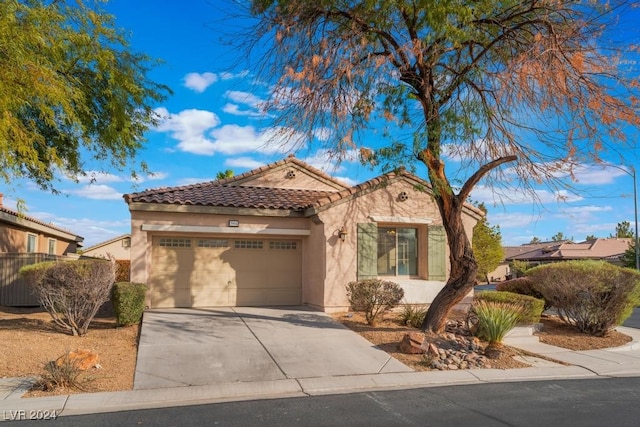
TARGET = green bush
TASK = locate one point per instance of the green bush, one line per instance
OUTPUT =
(72, 292)
(496, 319)
(594, 296)
(413, 315)
(521, 285)
(532, 308)
(374, 296)
(128, 302)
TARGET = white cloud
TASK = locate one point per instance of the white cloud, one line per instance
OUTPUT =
(511, 220)
(153, 176)
(188, 127)
(327, 161)
(235, 110)
(246, 98)
(229, 76)
(235, 139)
(346, 180)
(99, 177)
(189, 181)
(323, 134)
(243, 162)
(94, 231)
(97, 192)
(199, 82)
(518, 197)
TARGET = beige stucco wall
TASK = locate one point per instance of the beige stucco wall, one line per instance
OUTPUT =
(382, 202)
(115, 249)
(280, 178)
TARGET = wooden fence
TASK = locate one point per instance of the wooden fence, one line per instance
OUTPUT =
(14, 290)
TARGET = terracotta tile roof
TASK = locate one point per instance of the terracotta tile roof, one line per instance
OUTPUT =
(230, 193)
(556, 251)
(215, 193)
(18, 215)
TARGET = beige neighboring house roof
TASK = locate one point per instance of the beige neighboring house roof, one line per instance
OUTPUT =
(27, 222)
(605, 249)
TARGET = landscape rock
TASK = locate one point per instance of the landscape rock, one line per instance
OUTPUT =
(82, 359)
(412, 343)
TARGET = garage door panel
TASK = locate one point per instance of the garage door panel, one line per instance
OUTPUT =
(257, 297)
(247, 274)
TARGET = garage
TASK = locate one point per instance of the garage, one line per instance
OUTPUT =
(209, 271)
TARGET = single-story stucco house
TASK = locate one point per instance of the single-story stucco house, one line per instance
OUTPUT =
(287, 234)
(118, 247)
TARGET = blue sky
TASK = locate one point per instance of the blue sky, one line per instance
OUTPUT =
(213, 124)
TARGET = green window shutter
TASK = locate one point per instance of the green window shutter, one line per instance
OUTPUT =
(367, 251)
(437, 267)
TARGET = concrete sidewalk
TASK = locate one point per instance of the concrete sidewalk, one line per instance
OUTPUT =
(617, 362)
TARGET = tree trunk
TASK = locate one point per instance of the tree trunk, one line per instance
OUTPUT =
(464, 268)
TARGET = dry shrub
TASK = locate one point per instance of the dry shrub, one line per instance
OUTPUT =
(594, 296)
(65, 374)
(374, 297)
(72, 291)
(123, 270)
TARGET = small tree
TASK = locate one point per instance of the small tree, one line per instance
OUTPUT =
(374, 297)
(487, 246)
(72, 292)
(623, 230)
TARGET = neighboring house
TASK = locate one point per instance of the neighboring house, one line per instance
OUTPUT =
(26, 240)
(287, 234)
(609, 249)
(118, 247)
(20, 233)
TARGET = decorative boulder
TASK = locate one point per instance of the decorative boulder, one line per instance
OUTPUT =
(82, 359)
(412, 343)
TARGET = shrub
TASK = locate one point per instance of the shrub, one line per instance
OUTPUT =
(593, 296)
(521, 285)
(128, 302)
(496, 319)
(123, 270)
(71, 291)
(374, 296)
(532, 308)
(413, 315)
(65, 374)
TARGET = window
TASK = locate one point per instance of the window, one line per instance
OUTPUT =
(175, 242)
(32, 243)
(397, 251)
(276, 244)
(213, 243)
(52, 246)
(248, 244)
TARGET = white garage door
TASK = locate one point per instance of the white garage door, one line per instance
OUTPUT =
(218, 271)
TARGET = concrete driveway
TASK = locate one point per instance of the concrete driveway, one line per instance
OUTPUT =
(184, 347)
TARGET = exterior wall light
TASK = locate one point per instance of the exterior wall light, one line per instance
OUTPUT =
(342, 233)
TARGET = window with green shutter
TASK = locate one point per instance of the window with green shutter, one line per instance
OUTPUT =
(436, 256)
(367, 250)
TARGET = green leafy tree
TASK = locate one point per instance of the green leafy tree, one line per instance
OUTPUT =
(487, 246)
(535, 239)
(71, 90)
(628, 259)
(491, 82)
(224, 174)
(559, 237)
(624, 230)
(590, 237)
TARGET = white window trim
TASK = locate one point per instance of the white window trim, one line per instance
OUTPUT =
(35, 248)
(55, 243)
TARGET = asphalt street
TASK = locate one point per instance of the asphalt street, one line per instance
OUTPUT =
(591, 402)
